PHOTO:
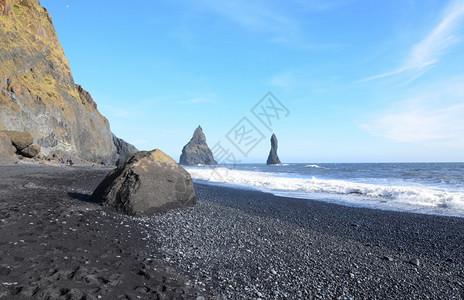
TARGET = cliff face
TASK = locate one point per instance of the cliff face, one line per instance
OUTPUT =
(37, 91)
(5, 8)
(124, 149)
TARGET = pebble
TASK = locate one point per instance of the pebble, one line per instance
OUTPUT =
(414, 261)
(386, 257)
(274, 262)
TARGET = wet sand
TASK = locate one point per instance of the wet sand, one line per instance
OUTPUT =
(234, 244)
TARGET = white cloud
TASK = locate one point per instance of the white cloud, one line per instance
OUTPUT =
(428, 51)
(435, 117)
(422, 125)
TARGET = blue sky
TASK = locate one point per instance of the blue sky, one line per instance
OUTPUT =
(363, 81)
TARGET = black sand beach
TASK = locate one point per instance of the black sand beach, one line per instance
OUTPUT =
(55, 245)
(234, 244)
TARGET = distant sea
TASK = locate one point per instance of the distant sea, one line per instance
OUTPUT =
(430, 188)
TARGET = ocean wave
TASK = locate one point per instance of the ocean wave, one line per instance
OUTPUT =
(379, 195)
(314, 166)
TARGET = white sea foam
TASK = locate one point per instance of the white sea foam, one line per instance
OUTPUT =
(381, 195)
(314, 166)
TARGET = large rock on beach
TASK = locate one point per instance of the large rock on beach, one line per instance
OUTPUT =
(38, 93)
(31, 151)
(147, 182)
(197, 151)
(273, 158)
(20, 140)
(7, 150)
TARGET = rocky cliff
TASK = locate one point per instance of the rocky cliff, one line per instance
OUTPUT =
(123, 149)
(37, 91)
(197, 151)
(273, 158)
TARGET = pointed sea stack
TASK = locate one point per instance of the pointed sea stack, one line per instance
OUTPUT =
(273, 159)
(197, 151)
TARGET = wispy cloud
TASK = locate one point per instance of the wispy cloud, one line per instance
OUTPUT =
(435, 117)
(428, 51)
(280, 20)
(252, 15)
(283, 79)
(201, 100)
(120, 112)
(441, 126)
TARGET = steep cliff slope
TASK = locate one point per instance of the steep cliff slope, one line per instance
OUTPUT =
(37, 91)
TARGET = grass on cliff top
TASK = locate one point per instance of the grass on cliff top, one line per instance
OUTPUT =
(31, 31)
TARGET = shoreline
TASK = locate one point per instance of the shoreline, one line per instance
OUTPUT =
(328, 201)
(234, 244)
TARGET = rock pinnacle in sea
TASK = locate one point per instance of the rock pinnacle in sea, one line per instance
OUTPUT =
(273, 158)
(197, 151)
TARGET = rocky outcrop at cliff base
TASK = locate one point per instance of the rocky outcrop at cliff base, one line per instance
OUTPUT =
(7, 150)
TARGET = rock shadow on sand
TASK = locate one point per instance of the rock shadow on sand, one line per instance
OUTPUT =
(82, 197)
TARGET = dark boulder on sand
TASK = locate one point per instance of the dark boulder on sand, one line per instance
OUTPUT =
(20, 140)
(273, 158)
(197, 151)
(7, 150)
(31, 151)
(146, 183)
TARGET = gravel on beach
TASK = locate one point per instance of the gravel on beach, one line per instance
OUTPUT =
(242, 244)
(235, 244)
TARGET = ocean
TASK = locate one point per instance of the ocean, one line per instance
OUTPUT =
(429, 188)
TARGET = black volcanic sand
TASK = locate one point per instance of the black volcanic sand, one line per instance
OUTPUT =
(234, 244)
(55, 245)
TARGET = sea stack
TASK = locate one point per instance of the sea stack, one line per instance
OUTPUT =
(197, 151)
(273, 159)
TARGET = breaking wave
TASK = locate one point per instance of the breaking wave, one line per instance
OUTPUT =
(314, 166)
(381, 195)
